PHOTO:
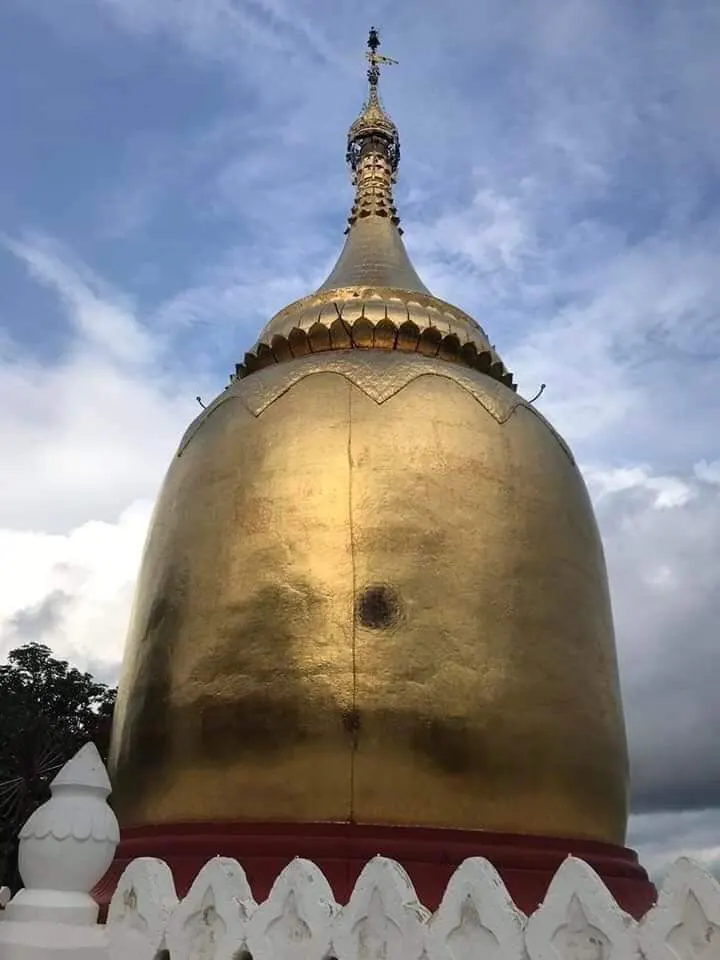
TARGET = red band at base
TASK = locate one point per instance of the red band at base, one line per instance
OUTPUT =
(341, 850)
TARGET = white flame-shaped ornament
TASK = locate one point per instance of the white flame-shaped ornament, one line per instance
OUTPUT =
(67, 845)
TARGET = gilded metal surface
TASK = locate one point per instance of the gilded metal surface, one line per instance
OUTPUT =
(383, 318)
(374, 255)
(373, 589)
(351, 303)
(377, 597)
(379, 376)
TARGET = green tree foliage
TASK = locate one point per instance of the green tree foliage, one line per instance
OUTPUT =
(48, 710)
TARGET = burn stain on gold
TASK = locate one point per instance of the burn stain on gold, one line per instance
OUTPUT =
(378, 607)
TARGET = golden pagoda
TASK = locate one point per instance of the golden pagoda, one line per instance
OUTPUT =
(373, 594)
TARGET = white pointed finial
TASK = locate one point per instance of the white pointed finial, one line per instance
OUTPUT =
(86, 771)
(67, 845)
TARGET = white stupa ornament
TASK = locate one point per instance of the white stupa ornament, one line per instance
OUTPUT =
(67, 845)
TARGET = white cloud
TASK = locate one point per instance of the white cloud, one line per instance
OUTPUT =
(89, 434)
(86, 440)
(223, 27)
(104, 322)
(233, 299)
(89, 573)
(708, 472)
(624, 335)
(666, 491)
(494, 232)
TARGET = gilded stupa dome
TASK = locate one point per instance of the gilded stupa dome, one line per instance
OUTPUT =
(373, 591)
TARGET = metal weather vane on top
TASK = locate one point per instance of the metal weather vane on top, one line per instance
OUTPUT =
(374, 125)
(375, 58)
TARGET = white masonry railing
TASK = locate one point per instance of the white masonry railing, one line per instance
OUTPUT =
(67, 845)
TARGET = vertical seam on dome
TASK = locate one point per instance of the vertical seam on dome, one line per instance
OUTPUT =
(354, 730)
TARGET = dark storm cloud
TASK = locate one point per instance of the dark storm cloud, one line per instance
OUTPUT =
(663, 837)
(32, 623)
(661, 537)
(674, 725)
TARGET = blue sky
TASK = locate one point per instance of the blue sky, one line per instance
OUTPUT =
(172, 174)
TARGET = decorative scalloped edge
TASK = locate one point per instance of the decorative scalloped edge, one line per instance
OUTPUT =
(68, 819)
(476, 909)
(353, 366)
(300, 908)
(351, 303)
(141, 906)
(689, 895)
(384, 911)
(219, 892)
(363, 334)
(236, 391)
(578, 903)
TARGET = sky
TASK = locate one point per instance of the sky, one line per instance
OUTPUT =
(172, 174)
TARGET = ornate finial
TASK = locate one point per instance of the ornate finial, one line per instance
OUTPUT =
(374, 264)
(373, 147)
(376, 58)
(373, 128)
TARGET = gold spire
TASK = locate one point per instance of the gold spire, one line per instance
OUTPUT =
(373, 297)
(373, 148)
(374, 254)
